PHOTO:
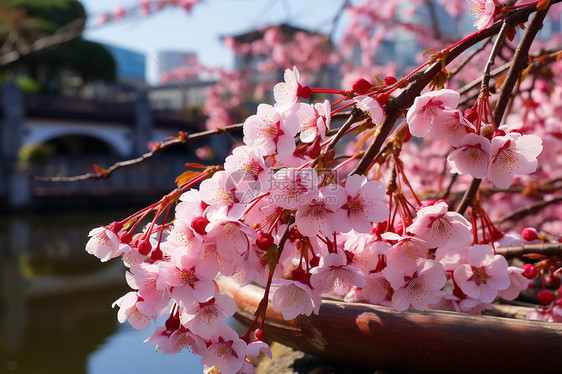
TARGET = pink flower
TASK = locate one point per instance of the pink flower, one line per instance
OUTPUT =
(132, 308)
(220, 192)
(286, 93)
(416, 285)
(314, 120)
(513, 154)
(518, 283)
(293, 298)
(471, 157)
(291, 188)
(270, 132)
(246, 166)
(231, 236)
(227, 351)
(484, 12)
(484, 275)
(363, 205)
(372, 107)
(333, 275)
(427, 107)
(317, 214)
(191, 278)
(206, 319)
(439, 227)
(452, 126)
(173, 341)
(103, 243)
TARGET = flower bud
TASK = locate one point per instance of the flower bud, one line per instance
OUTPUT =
(314, 149)
(470, 114)
(259, 334)
(115, 227)
(264, 240)
(199, 224)
(390, 80)
(530, 234)
(125, 237)
(361, 86)
(144, 247)
(545, 297)
(304, 92)
(553, 280)
(529, 271)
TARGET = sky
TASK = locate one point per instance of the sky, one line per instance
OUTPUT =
(200, 31)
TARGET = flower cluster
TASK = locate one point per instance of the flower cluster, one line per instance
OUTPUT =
(280, 214)
(482, 150)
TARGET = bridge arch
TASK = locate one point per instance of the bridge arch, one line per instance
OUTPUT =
(115, 140)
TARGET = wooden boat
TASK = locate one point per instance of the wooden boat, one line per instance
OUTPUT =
(411, 341)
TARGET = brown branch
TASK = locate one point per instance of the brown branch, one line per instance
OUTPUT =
(519, 63)
(395, 107)
(469, 58)
(105, 173)
(548, 249)
(527, 210)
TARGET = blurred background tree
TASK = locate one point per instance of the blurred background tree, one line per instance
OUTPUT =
(42, 49)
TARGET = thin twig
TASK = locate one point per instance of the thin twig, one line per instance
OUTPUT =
(527, 210)
(519, 62)
(105, 173)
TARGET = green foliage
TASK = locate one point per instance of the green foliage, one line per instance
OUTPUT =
(35, 153)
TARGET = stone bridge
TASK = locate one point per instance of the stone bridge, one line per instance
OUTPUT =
(78, 133)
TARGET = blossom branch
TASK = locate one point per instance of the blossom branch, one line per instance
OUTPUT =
(106, 173)
(548, 249)
(519, 62)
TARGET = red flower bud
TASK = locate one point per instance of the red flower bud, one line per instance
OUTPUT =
(304, 92)
(553, 280)
(125, 237)
(529, 271)
(264, 241)
(116, 227)
(314, 148)
(199, 224)
(361, 86)
(470, 115)
(259, 334)
(144, 247)
(390, 80)
(545, 297)
(530, 234)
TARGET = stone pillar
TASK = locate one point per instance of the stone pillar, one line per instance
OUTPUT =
(15, 183)
(144, 122)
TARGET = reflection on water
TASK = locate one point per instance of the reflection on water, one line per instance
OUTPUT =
(55, 304)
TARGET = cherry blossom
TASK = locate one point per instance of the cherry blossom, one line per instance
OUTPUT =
(205, 319)
(416, 286)
(134, 310)
(269, 131)
(484, 12)
(103, 243)
(333, 275)
(427, 107)
(372, 107)
(314, 120)
(512, 154)
(363, 205)
(293, 298)
(484, 275)
(472, 156)
(287, 93)
(226, 351)
(439, 227)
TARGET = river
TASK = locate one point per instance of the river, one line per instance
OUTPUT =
(55, 303)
